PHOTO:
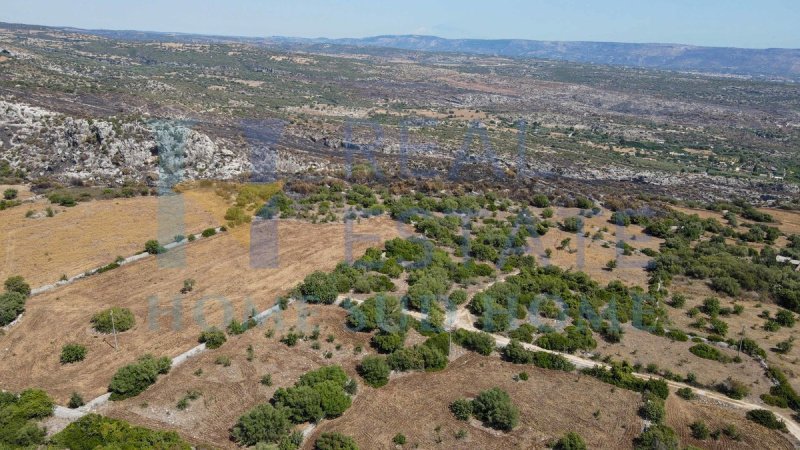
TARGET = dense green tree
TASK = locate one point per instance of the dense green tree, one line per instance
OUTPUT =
(374, 370)
(494, 408)
(213, 337)
(72, 353)
(18, 284)
(302, 403)
(113, 319)
(263, 423)
(570, 441)
(335, 441)
(12, 304)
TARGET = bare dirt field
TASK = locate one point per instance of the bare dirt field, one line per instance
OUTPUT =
(83, 237)
(170, 323)
(551, 403)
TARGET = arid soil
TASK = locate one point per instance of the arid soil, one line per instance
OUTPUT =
(167, 322)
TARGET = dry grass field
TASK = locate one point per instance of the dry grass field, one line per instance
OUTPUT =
(682, 413)
(639, 346)
(224, 280)
(590, 256)
(551, 403)
(83, 237)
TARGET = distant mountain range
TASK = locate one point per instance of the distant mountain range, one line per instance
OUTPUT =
(768, 63)
(772, 63)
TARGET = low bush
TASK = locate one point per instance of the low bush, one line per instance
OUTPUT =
(263, 423)
(657, 436)
(19, 417)
(570, 441)
(686, 393)
(388, 342)
(653, 408)
(461, 409)
(734, 389)
(706, 351)
(213, 338)
(621, 375)
(72, 353)
(335, 441)
(374, 370)
(17, 284)
(418, 357)
(113, 319)
(133, 379)
(516, 353)
(94, 431)
(154, 247)
(766, 418)
(208, 232)
(493, 407)
(699, 430)
(75, 401)
(477, 341)
(12, 304)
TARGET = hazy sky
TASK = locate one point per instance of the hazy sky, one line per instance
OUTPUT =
(737, 23)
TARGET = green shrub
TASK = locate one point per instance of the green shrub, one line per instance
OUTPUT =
(133, 379)
(94, 431)
(72, 353)
(123, 320)
(399, 439)
(523, 333)
(418, 357)
(572, 339)
(699, 430)
(153, 247)
(477, 341)
(263, 423)
(208, 232)
(677, 335)
(301, 403)
(10, 194)
(12, 304)
(785, 318)
(733, 388)
(236, 328)
(319, 287)
(572, 224)
(213, 337)
(17, 284)
(540, 201)
(75, 401)
(686, 393)
(653, 408)
(388, 342)
(374, 370)
(708, 352)
(621, 375)
(766, 418)
(660, 437)
(458, 297)
(461, 409)
(570, 441)
(516, 353)
(493, 407)
(327, 373)
(335, 441)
